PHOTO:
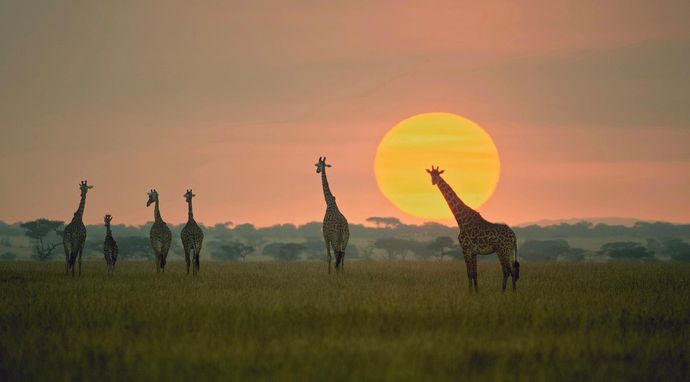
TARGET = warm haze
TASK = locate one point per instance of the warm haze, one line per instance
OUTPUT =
(587, 104)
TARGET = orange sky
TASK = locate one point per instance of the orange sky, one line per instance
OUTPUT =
(588, 104)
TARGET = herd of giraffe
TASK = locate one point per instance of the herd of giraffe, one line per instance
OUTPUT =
(477, 236)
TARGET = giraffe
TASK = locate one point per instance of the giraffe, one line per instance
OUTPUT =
(74, 235)
(160, 234)
(192, 236)
(478, 236)
(336, 231)
(110, 249)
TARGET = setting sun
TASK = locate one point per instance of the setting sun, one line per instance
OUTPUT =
(459, 146)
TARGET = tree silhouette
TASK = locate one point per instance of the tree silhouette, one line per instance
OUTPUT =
(285, 251)
(134, 246)
(440, 244)
(673, 247)
(626, 250)
(8, 256)
(545, 250)
(38, 230)
(386, 222)
(233, 251)
(394, 246)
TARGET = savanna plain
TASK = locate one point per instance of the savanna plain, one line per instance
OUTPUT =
(376, 321)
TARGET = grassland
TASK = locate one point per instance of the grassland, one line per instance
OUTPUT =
(377, 321)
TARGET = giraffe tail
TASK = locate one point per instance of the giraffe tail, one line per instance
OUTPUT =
(516, 263)
(339, 258)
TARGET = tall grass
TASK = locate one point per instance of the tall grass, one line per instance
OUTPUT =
(376, 321)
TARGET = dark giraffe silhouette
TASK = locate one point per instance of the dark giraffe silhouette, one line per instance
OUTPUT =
(336, 231)
(110, 249)
(160, 234)
(75, 233)
(192, 236)
(478, 236)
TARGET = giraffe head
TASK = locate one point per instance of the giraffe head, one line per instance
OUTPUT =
(321, 165)
(107, 220)
(189, 195)
(153, 197)
(435, 175)
(84, 188)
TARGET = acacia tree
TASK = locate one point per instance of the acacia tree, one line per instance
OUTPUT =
(386, 222)
(133, 247)
(440, 244)
(626, 250)
(673, 247)
(285, 251)
(395, 247)
(37, 230)
(233, 251)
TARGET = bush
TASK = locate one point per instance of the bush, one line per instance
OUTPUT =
(8, 256)
(233, 251)
(626, 250)
(546, 250)
(285, 251)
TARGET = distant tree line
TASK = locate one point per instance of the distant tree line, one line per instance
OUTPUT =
(587, 229)
(387, 239)
(655, 249)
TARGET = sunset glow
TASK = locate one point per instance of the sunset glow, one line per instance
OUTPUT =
(459, 146)
(586, 104)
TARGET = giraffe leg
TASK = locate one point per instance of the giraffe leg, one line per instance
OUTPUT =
(66, 262)
(196, 263)
(79, 259)
(514, 274)
(158, 262)
(474, 272)
(186, 258)
(468, 265)
(163, 257)
(338, 258)
(505, 280)
(328, 255)
(505, 267)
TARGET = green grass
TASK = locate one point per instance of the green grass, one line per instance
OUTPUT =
(377, 321)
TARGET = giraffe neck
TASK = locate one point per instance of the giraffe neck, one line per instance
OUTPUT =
(80, 211)
(460, 210)
(157, 212)
(108, 232)
(190, 214)
(330, 199)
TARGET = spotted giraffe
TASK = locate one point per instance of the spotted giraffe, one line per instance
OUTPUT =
(110, 249)
(74, 235)
(478, 236)
(192, 236)
(160, 234)
(336, 231)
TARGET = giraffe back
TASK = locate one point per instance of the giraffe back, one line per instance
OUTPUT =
(74, 236)
(161, 237)
(336, 230)
(482, 237)
(192, 236)
(110, 249)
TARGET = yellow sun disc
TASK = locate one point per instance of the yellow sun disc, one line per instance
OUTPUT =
(459, 146)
